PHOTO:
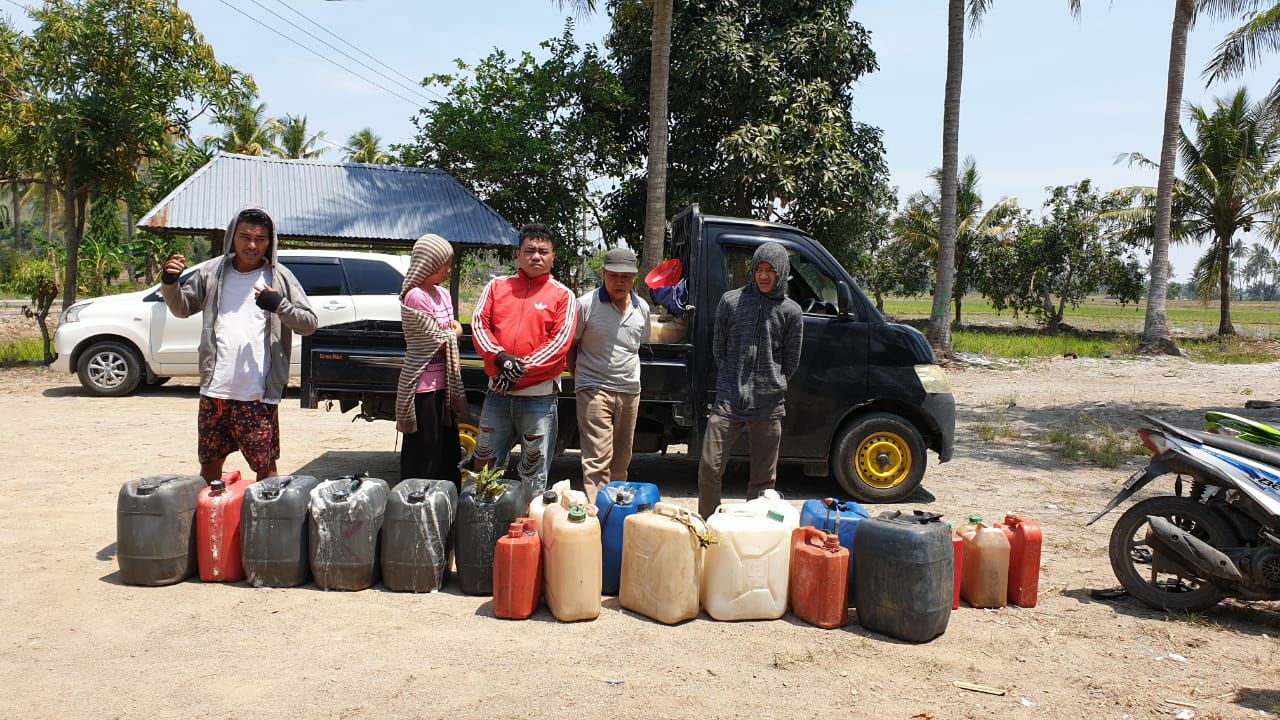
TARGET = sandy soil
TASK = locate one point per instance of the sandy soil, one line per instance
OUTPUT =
(78, 644)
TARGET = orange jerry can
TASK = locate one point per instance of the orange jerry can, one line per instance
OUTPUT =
(957, 550)
(1024, 560)
(819, 578)
(517, 571)
(218, 529)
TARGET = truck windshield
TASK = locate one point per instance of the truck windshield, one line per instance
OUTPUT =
(808, 285)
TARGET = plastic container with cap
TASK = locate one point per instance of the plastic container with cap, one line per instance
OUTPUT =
(517, 571)
(1025, 540)
(481, 521)
(417, 538)
(819, 573)
(560, 492)
(273, 531)
(218, 549)
(772, 500)
(615, 502)
(984, 579)
(904, 575)
(662, 563)
(345, 529)
(957, 551)
(156, 530)
(571, 563)
(745, 573)
(840, 517)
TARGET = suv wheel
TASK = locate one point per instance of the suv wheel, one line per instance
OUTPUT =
(109, 368)
(879, 458)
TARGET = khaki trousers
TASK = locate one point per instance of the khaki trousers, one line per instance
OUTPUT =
(765, 437)
(606, 428)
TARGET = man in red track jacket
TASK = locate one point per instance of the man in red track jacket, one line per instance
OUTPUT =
(523, 327)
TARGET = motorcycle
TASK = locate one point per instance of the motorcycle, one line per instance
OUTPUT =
(1216, 536)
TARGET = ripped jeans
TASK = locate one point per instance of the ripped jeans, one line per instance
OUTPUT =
(531, 421)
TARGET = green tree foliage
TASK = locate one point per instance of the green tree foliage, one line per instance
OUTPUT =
(296, 141)
(101, 86)
(1070, 253)
(1230, 167)
(365, 147)
(532, 139)
(760, 97)
(37, 279)
(247, 130)
(918, 228)
(103, 254)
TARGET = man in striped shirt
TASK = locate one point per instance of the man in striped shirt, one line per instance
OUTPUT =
(523, 327)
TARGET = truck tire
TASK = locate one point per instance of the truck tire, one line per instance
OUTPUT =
(879, 458)
(109, 368)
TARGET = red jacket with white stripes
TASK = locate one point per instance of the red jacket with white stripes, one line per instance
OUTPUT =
(531, 318)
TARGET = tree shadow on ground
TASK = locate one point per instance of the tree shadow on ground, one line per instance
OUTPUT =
(1263, 700)
(1246, 618)
(336, 463)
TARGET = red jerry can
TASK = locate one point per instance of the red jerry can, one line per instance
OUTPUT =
(218, 529)
(957, 550)
(517, 571)
(1024, 560)
(818, 586)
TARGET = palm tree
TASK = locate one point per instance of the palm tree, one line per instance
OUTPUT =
(295, 142)
(248, 130)
(1245, 45)
(655, 208)
(1230, 171)
(1260, 271)
(918, 227)
(365, 147)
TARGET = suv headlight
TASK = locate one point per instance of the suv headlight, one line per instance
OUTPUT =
(72, 313)
(933, 379)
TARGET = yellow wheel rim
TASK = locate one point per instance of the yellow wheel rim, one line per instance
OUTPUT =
(883, 460)
(467, 435)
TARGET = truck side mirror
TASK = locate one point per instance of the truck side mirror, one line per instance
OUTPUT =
(844, 296)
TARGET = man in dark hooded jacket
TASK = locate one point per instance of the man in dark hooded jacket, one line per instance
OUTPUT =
(758, 333)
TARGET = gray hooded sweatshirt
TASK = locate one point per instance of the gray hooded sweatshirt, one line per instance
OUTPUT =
(200, 292)
(757, 343)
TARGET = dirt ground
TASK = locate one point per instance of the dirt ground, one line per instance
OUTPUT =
(78, 644)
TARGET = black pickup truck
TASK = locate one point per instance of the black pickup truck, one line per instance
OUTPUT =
(866, 402)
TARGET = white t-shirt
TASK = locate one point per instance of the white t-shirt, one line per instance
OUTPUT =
(240, 337)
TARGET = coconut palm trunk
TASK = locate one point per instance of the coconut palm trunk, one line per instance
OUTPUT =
(1156, 338)
(655, 207)
(939, 325)
(1224, 283)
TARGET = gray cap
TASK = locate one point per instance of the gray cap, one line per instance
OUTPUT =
(621, 260)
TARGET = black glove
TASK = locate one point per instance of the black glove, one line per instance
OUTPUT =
(509, 364)
(168, 278)
(500, 385)
(269, 300)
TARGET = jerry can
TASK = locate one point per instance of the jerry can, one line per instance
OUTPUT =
(957, 551)
(273, 531)
(346, 527)
(745, 573)
(904, 575)
(772, 500)
(819, 574)
(571, 562)
(616, 502)
(481, 521)
(218, 549)
(840, 517)
(984, 581)
(662, 554)
(517, 571)
(1024, 560)
(555, 494)
(156, 530)
(417, 539)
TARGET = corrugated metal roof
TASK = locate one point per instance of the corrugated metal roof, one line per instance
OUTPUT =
(311, 199)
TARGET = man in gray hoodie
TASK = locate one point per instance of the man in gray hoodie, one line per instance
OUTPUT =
(252, 306)
(758, 334)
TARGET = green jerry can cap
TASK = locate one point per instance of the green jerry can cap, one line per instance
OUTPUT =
(774, 515)
(975, 518)
(577, 514)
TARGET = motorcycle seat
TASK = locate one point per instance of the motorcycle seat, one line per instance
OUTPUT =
(1243, 448)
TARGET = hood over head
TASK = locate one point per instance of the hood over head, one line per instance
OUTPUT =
(229, 248)
(430, 253)
(776, 255)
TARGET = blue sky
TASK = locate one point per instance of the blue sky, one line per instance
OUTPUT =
(1047, 100)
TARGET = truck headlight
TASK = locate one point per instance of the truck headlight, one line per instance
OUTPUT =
(933, 379)
(72, 313)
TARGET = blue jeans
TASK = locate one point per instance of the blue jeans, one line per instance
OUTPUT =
(531, 421)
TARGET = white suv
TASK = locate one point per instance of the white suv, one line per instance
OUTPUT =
(118, 341)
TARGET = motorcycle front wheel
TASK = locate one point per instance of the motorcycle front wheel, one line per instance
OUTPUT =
(1139, 570)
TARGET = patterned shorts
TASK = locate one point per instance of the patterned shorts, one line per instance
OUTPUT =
(252, 427)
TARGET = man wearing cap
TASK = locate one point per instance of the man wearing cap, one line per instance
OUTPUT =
(605, 361)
